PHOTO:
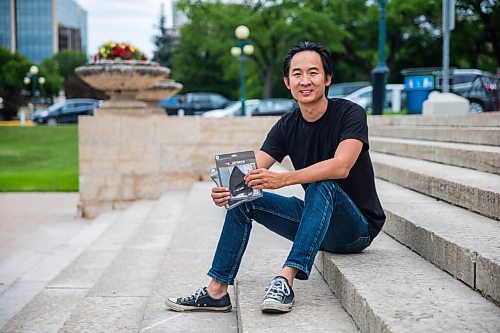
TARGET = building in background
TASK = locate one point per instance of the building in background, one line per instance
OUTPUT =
(175, 18)
(40, 28)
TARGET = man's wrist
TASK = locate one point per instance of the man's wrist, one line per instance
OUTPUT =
(289, 178)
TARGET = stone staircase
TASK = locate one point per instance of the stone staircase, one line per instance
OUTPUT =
(435, 267)
(155, 249)
(107, 286)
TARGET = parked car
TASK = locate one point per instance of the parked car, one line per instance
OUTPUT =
(337, 90)
(66, 112)
(363, 97)
(233, 109)
(274, 107)
(481, 88)
(195, 103)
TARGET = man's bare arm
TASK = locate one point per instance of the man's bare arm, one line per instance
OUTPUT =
(264, 160)
(337, 167)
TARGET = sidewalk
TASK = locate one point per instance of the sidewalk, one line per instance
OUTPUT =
(34, 227)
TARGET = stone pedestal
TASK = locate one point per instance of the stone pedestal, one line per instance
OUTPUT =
(123, 103)
(445, 103)
(163, 89)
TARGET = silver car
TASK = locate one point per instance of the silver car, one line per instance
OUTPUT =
(233, 109)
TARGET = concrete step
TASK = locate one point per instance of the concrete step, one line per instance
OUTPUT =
(456, 240)
(41, 265)
(116, 301)
(49, 310)
(316, 309)
(29, 236)
(478, 157)
(475, 135)
(471, 189)
(184, 269)
(389, 288)
(485, 119)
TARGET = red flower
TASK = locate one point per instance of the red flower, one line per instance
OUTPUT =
(112, 50)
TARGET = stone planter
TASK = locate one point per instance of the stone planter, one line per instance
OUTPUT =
(122, 80)
(163, 89)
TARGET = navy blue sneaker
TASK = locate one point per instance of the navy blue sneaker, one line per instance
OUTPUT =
(199, 301)
(279, 296)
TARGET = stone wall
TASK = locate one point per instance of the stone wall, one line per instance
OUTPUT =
(126, 158)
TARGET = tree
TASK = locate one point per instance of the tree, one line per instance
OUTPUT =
(414, 36)
(68, 60)
(202, 61)
(60, 69)
(275, 26)
(49, 68)
(164, 43)
(475, 42)
(348, 28)
(13, 68)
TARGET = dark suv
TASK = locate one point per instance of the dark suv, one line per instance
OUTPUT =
(479, 87)
(194, 103)
(66, 112)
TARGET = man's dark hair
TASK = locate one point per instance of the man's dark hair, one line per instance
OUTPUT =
(326, 56)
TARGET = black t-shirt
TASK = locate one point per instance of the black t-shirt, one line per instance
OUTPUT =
(308, 143)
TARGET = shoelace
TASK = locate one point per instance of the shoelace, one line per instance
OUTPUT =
(277, 289)
(199, 292)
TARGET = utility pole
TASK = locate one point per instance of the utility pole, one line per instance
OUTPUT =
(379, 73)
(448, 25)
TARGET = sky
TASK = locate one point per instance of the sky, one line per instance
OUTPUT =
(129, 21)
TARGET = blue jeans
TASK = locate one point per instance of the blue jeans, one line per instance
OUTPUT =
(326, 219)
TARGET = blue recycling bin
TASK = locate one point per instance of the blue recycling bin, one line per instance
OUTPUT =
(418, 89)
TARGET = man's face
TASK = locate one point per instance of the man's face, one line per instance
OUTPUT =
(306, 78)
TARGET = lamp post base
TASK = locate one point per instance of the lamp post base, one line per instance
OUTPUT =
(379, 79)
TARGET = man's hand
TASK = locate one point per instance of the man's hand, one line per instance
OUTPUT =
(220, 195)
(263, 179)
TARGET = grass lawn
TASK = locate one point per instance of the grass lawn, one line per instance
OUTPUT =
(39, 158)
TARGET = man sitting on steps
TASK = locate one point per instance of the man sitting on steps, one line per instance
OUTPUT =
(327, 141)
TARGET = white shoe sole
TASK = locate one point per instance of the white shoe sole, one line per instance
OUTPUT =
(185, 308)
(275, 307)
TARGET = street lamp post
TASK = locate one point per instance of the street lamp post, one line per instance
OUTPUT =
(242, 48)
(33, 78)
(379, 73)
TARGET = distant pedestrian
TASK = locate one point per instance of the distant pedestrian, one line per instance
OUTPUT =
(327, 142)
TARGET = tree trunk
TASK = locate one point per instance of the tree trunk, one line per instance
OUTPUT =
(268, 83)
